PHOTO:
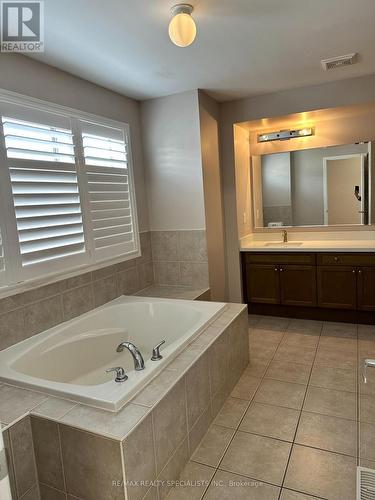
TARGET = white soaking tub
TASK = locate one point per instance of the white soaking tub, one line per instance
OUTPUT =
(70, 360)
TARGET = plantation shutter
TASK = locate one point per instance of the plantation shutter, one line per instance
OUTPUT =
(45, 192)
(111, 205)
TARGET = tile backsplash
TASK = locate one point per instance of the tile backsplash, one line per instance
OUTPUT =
(180, 258)
(34, 311)
(168, 258)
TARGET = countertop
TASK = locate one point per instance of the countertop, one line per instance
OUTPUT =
(250, 245)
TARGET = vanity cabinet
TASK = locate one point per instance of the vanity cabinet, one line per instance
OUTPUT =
(312, 285)
(288, 279)
(337, 287)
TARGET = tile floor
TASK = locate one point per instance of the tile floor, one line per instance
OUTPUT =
(289, 430)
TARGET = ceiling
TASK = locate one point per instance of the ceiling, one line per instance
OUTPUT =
(243, 47)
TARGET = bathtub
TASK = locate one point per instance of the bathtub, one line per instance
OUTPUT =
(70, 360)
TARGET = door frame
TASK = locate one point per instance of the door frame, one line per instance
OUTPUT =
(326, 159)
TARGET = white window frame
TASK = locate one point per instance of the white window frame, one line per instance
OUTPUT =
(10, 237)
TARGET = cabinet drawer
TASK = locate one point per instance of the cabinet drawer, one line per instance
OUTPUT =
(305, 259)
(346, 259)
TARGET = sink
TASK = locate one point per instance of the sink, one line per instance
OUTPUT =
(281, 244)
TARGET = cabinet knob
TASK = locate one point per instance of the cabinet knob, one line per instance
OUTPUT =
(360, 272)
(336, 259)
(353, 271)
(281, 269)
(276, 269)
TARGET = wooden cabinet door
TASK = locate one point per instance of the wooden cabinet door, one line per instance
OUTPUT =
(337, 287)
(262, 281)
(366, 288)
(298, 286)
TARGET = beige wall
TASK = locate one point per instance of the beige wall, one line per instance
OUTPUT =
(209, 132)
(172, 153)
(34, 79)
(330, 95)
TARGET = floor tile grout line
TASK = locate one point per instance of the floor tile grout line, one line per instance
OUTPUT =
(248, 406)
(300, 415)
(358, 405)
(253, 396)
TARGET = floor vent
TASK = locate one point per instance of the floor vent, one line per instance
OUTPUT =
(338, 62)
(365, 484)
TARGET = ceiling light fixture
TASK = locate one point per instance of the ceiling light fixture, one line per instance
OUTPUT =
(182, 29)
(284, 135)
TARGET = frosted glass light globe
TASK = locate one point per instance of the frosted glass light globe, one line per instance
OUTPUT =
(182, 29)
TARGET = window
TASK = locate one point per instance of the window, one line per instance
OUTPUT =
(67, 193)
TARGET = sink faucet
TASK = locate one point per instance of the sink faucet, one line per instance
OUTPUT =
(139, 364)
(285, 236)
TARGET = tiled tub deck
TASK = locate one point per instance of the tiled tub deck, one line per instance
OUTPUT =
(59, 450)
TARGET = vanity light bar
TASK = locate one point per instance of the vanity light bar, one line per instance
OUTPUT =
(284, 135)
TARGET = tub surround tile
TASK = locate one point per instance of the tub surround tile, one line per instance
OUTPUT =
(192, 246)
(173, 292)
(180, 257)
(218, 356)
(112, 424)
(167, 273)
(42, 305)
(104, 290)
(48, 493)
(164, 245)
(16, 402)
(47, 449)
(156, 389)
(128, 282)
(194, 274)
(145, 275)
(71, 437)
(53, 408)
(32, 494)
(197, 389)
(170, 423)
(12, 329)
(23, 456)
(85, 475)
(42, 315)
(139, 459)
(10, 463)
(199, 429)
(77, 301)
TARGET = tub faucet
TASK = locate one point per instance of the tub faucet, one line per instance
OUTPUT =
(139, 364)
(285, 236)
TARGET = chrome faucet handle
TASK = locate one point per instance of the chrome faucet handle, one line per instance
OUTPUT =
(156, 356)
(366, 363)
(120, 373)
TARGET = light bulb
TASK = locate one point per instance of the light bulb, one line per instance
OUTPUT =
(182, 29)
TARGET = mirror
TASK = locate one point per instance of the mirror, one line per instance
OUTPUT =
(312, 187)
